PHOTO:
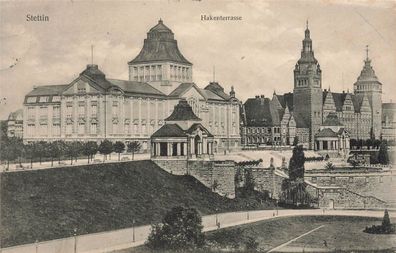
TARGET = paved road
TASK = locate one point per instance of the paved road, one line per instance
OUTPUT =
(122, 239)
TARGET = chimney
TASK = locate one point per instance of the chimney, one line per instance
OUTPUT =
(257, 96)
(262, 96)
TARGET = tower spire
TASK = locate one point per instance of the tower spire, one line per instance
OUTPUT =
(307, 23)
(92, 54)
(367, 52)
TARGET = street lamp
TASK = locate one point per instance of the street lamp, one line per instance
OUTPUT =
(217, 221)
(247, 213)
(36, 245)
(133, 230)
(75, 240)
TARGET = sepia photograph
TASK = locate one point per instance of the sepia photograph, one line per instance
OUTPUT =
(197, 126)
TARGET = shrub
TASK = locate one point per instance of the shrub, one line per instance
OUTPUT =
(181, 228)
(385, 228)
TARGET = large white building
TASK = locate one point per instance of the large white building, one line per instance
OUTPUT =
(93, 107)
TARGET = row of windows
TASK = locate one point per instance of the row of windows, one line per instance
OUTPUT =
(263, 130)
(147, 73)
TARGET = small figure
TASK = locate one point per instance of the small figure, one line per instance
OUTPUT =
(325, 243)
(218, 225)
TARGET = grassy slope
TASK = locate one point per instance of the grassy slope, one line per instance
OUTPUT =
(342, 233)
(49, 204)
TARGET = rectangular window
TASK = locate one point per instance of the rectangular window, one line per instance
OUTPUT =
(81, 127)
(81, 109)
(115, 108)
(115, 127)
(56, 111)
(31, 99)
(56, 129)
(69, 111)
(332, 180)
(56, 99)
(159, 73)
(94, 110)
(94, 128)
(43, 99)
(69, 128)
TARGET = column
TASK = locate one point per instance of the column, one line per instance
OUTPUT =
(178, 149)
(158, 148)
(184, 147)
(320, 145)
(169, 148)
(204, 146)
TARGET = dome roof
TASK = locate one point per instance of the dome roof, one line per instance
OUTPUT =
(160, 46)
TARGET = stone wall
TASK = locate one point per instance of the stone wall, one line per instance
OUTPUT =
(341, 198)
(381, 185)
(210, 173)
(172, 166)
(265, 179)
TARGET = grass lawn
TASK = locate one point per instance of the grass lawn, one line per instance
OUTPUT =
(342, 234)
(49, 204)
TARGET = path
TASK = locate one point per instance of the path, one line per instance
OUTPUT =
(122, 239)
(294, 239)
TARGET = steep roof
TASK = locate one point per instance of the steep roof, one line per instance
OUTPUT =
(339, 99)
(217, 89)
(182, 111)
(16, 114)
(169, 130)
(160, 46)
(93, 73)
(326, 132)
(259, 112)
(47, 90)
(286, 100)
(136, 87)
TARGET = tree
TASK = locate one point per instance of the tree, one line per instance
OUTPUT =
(30, 152)
(296, 164)
(105, 148)
(372, 134)
(133, 147)
(53, 151)
(386, 224)
(369, 143)
(383, 156)
(90, 149)
(295, 141)
(119, 147)
(73, 149)
(41, 149)
(181, 228)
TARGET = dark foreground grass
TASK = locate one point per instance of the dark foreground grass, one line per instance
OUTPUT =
(49, 204)
(342, 234)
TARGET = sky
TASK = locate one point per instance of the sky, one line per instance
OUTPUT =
(256, 55)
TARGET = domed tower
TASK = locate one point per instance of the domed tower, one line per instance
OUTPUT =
(307, 93)
(368, 85)
(160, 62)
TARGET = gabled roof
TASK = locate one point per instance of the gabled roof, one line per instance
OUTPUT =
(259, 112)
(286, 100)
(136, 87)
(170, 130)
(326, 132)
(182, 111)
(16, 114)
(47, 90)
(198, 125)
(216, 88)
(93, 73)
(160, 46)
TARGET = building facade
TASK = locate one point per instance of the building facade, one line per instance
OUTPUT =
(94, 107)
(15, 124)
(301, 114)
